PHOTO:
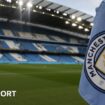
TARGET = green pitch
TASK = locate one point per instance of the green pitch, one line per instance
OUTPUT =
(41, 84)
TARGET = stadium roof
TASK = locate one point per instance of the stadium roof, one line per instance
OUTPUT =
(63, 7)
(47, 13)
(86, 6)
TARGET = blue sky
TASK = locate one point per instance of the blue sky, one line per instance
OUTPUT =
(87, 6)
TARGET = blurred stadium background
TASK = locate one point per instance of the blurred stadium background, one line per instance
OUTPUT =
(42, 49)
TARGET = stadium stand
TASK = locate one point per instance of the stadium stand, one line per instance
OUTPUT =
(36, 45)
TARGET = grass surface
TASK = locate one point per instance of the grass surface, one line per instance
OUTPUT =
(41, 84)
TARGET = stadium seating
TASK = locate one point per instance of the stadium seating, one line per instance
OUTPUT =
(26, 39)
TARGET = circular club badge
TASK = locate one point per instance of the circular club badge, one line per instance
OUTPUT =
(95, 62)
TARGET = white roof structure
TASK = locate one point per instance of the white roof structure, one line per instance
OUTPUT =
(86, 6)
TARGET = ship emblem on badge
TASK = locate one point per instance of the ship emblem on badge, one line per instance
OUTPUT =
(95, 62)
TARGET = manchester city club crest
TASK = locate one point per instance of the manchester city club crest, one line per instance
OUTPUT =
(95, 62)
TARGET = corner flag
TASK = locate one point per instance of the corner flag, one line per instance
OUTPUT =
(92, 83)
